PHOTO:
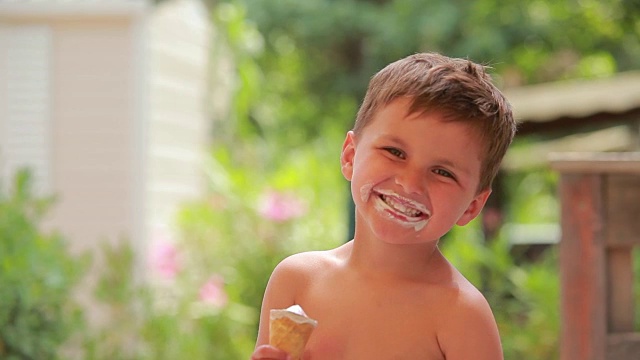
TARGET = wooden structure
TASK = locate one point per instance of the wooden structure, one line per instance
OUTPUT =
(594, 115)
(600, 198)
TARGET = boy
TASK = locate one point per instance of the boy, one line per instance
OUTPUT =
(426, 145)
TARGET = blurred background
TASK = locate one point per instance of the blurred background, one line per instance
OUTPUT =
(158, 159)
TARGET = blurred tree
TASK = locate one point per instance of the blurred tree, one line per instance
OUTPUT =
(301, 69)
(37, 273)
(311, 60)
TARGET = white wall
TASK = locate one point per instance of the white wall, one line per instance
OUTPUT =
(180, 38)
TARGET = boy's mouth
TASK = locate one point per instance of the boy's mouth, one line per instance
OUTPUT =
(402, 209)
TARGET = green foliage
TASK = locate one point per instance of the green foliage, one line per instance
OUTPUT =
(120, 300)
(273, 103)
(227, 243)
(241, 231)
(154, 321)
(37, 275)
(163, 320)
(232, 231)
(541, 40)
(532, 197)
(525, 297)
(304, 66)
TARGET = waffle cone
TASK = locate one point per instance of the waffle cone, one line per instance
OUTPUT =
(288, 332)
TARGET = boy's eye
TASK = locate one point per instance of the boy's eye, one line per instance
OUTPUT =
(444, 173)
(395, 152)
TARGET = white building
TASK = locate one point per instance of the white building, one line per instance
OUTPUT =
(106, 101)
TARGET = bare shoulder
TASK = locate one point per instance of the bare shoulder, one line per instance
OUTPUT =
(301, 266)
(470, 329)
(289, 282)
(294, 274)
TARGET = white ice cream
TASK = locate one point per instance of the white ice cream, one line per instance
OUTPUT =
(294, 313)
(413, 213)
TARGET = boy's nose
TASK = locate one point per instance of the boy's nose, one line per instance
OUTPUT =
(411, 181)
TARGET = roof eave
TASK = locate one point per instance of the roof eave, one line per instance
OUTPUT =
(28, 9)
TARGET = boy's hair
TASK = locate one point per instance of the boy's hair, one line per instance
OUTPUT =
(460, 89)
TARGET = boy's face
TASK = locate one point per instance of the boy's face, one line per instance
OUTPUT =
(413, 176)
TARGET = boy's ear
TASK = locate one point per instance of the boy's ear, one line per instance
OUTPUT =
(474, 208)
(347, 155)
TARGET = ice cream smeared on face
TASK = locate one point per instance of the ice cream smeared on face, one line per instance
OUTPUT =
(365, 192)
(404, 211)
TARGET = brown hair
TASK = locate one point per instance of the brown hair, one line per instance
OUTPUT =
(460, 89)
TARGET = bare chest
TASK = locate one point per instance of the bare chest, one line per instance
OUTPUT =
(370, 341)
(386, 323)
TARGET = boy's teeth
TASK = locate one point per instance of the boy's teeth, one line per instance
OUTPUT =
(399, 206)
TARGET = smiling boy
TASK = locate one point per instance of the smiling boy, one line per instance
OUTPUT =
(427, 143)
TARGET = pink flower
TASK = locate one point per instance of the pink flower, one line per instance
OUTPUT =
(164, 259)
(212, 292)
(279, 206)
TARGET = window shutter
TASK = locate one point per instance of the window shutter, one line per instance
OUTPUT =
(25, 119)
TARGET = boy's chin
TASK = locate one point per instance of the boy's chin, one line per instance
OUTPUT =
(400, 235)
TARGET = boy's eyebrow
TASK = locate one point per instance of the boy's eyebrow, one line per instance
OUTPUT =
(393, 138)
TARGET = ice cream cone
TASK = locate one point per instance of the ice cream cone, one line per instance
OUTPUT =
(290, 329)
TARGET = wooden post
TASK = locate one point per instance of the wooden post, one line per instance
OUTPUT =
(600, 200)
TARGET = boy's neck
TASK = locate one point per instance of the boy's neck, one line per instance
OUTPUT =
(402, 261)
